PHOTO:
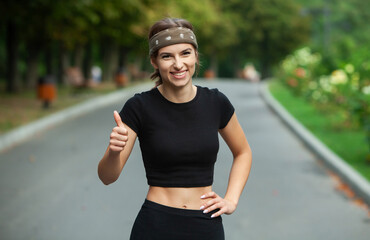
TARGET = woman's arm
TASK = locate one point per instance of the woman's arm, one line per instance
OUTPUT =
(122, 141)
(234, 137)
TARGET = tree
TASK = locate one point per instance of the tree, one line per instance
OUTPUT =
(340, 33)
(12, 24)
(119, 31)
(268, 29)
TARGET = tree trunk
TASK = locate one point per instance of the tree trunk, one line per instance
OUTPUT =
(63, 65)
(236, 67)
(214, 65)
(110, 61)
(32, 68)
(49, 60)
(12, 74)
(123, 52)
(265, 57)
(87, 62)
(78, 56)
(135, 70)
(265, 66)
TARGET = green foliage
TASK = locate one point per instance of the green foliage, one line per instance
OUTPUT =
(344, 89)
(339, 29)
(267, 29)
(340, 80)
(347, 143)
(233, 31)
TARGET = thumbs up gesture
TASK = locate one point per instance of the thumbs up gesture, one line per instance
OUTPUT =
(119, 135)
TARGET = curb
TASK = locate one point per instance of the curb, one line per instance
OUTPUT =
(350, 176)
(22, 133)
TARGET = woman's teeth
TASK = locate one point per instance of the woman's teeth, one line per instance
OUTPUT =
(179, 74)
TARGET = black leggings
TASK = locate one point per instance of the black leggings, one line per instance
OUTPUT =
(156, 221)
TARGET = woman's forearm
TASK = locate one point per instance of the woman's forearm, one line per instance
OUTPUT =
(122, 141)
(109, 167)
(238, 176)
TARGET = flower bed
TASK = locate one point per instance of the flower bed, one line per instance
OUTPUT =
(345, 90)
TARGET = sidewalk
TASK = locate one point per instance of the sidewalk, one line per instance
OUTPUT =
(50, 188)
(23, 133)
(350, 176)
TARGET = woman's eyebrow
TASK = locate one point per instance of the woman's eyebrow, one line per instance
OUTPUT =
(167, 53)
(188, 49)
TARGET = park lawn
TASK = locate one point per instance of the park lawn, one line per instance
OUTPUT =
(349, 144)
(18, 109)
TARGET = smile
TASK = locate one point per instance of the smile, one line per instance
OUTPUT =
(179, 74)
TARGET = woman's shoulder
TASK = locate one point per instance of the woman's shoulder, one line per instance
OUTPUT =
(142, 97)
(211, 92)
(215, 96)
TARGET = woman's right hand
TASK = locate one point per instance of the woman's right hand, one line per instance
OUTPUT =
(119, 135)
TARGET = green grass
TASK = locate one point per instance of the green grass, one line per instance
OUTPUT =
(347, 142)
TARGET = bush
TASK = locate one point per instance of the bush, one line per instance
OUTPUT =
(345, 89)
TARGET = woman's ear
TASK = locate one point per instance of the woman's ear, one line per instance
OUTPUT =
(153, 62)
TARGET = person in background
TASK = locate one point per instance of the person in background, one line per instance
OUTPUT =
(250, 73)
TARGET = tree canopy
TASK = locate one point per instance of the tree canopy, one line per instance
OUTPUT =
(42, 36)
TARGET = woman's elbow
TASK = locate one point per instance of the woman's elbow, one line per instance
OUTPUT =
(106, 179)
(244, 152)
(106, 183)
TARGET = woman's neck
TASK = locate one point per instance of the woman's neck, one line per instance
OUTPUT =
(178, 95)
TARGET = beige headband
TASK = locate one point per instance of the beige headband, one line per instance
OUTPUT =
(171, 36)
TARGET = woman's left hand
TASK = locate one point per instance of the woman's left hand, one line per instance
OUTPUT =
(217, 202)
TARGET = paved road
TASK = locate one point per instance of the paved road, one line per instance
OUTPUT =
(50, 189)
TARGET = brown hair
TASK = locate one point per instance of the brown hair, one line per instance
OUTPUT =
(160, 26)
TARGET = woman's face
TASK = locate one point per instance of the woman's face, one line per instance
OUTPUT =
(176, 64)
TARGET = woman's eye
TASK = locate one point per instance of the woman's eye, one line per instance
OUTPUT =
(165, 56)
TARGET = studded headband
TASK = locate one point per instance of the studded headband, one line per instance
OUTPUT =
(171, 36)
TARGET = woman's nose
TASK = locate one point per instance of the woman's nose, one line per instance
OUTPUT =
(178, 63)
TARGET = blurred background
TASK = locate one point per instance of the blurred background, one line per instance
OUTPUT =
(43, 37)
(314, 54)
(66, 51)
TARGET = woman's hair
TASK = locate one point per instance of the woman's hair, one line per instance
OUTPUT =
(159, 26)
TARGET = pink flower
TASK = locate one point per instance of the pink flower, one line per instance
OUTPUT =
(300, 72)
(292, 82)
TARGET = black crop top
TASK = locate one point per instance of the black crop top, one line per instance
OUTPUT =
(178, 141)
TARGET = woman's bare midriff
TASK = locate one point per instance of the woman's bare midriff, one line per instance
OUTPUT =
(185, 198)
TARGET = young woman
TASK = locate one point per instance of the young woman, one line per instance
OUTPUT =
(177, 124)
